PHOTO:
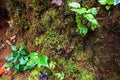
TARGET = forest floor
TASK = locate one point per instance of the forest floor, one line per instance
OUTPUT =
(103, 43)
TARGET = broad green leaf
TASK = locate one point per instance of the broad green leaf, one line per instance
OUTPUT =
(102, 2)
(13, 54)
(91, 18)
(116, 2)
(93, 26)
(74, 5)
(9, 64)
(80, 11)
(32, 62)
(9, 58)
(23, 52)
(83, 30)
(14, 48)
(23, 60)
(21, 48)
(107, 7)
(106, 2)
(25, 68)
(15, 59)
(17, 66)
(43, 61)
(33, 55)
(92, 11)
(110, 2)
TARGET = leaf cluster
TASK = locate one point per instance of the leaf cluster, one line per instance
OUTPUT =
(20, 61)
(109, 3)
(86, 14)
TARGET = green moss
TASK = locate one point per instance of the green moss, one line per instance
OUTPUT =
(40, 41)
(86, 75)
(4, 79)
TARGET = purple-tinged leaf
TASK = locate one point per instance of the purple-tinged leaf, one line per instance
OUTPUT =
(43, 76)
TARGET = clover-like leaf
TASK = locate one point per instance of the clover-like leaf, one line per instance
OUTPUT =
(43, 61)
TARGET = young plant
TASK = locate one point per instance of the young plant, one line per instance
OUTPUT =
(18, 59)
(86, 14)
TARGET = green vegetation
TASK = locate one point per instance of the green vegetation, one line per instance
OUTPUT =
(20, 61)
(52, 32)
(108, 3)
(86, 14)
(60, 75)
(86, 75)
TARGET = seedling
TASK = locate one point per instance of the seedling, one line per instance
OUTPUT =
(85, 14)
(20, 61)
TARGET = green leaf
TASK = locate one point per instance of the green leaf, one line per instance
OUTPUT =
(17, 66)
(23, 52)
(21, 48)
(92, 11)
(110, 2)
(91, 18)
(9, 58)
(33, 55)
(14, 53)
(83, 30)
(23, 60)
(93, 26)
(80, 11)
(107, 7)
(102, 2)
(74, 5)
(106, 2)
(43, 61)
(9, 64)
(14, 48)
(25, 68)
(15, 59)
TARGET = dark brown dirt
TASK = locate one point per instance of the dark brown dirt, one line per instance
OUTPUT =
(105, 44)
